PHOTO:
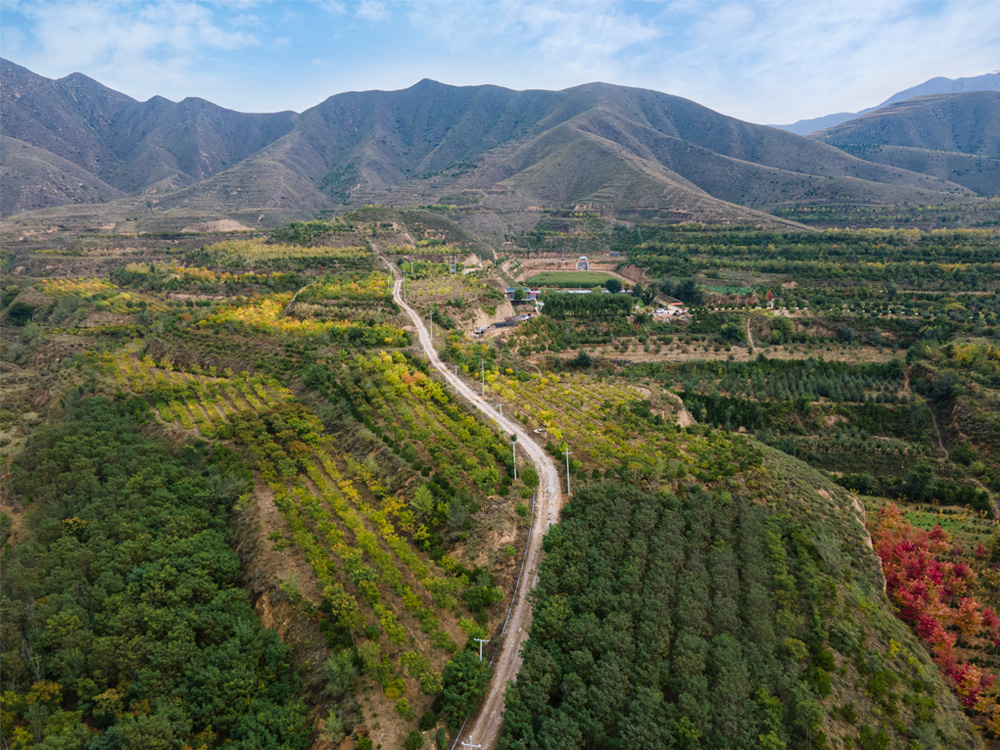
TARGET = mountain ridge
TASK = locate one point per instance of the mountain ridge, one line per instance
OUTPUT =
(936, 85)
(620, 150)
(951, 136)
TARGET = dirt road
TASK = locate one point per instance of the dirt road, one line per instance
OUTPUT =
(483, 728)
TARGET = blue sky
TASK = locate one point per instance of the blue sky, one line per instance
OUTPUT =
(765, 61)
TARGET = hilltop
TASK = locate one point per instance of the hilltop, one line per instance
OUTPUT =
(951, 136)
(620, 151)
(937, 85)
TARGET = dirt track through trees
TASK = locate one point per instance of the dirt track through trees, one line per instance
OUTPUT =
(484, 727)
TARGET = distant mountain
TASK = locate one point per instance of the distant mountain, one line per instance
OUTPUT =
(952, 136)
(939, 85)
(128, 145)
(623, 151)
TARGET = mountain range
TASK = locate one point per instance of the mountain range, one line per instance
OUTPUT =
(941, 135)
(938, 85)
(73, 148)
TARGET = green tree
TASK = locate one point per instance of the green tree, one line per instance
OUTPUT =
(340, 673)
(463, 683)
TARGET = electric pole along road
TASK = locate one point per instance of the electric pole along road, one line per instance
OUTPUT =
(484, 727)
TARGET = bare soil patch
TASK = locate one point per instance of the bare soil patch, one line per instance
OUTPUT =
(222, 225)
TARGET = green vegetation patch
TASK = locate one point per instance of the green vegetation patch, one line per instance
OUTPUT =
(710, 621)
(124, 623)
(569, 279)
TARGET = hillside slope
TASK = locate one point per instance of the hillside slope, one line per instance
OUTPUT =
(713, 620)
(619, 150)
(34, 178)
(951, 136)
(937, 85)
(133, 146)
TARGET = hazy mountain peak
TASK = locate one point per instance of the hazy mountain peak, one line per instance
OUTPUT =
(952, 136)
(937, 85)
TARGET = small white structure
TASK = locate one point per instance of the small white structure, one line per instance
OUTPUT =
(583, 264)
(672, 310)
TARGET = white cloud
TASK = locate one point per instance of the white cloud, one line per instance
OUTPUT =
(765, 60)
(330, 6)
(146, 48)
(535, 43)
(781, 60)
(373, 10)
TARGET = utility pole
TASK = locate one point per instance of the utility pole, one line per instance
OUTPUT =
(411, 266)
(481, 642)
(567, 452)
(482, 367)
(513, 450)
(500, 407)
(469, 744)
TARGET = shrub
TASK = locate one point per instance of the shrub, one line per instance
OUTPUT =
(529, 476)
(427, 720)
(403, 709)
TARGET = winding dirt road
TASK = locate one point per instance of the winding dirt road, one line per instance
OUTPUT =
(483, 728)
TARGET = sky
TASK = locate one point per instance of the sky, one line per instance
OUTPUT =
(766, 61)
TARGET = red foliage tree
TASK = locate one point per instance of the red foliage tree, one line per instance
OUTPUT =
(931, 595)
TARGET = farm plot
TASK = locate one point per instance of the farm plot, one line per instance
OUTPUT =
(455, 300)
(270, 316)
(378, 590)
(356, 538)
(193, 400)
(569, 279)
(259, 254)
(943, 579)
(193, 278)
(613, 430)
(419, 418)
(102, 293)
(369, 290)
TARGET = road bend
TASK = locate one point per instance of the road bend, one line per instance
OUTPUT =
(484, 727)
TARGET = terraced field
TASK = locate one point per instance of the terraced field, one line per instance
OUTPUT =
(405, 612)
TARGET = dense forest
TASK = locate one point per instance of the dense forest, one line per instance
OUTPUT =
(707, 620)
(124, 621)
